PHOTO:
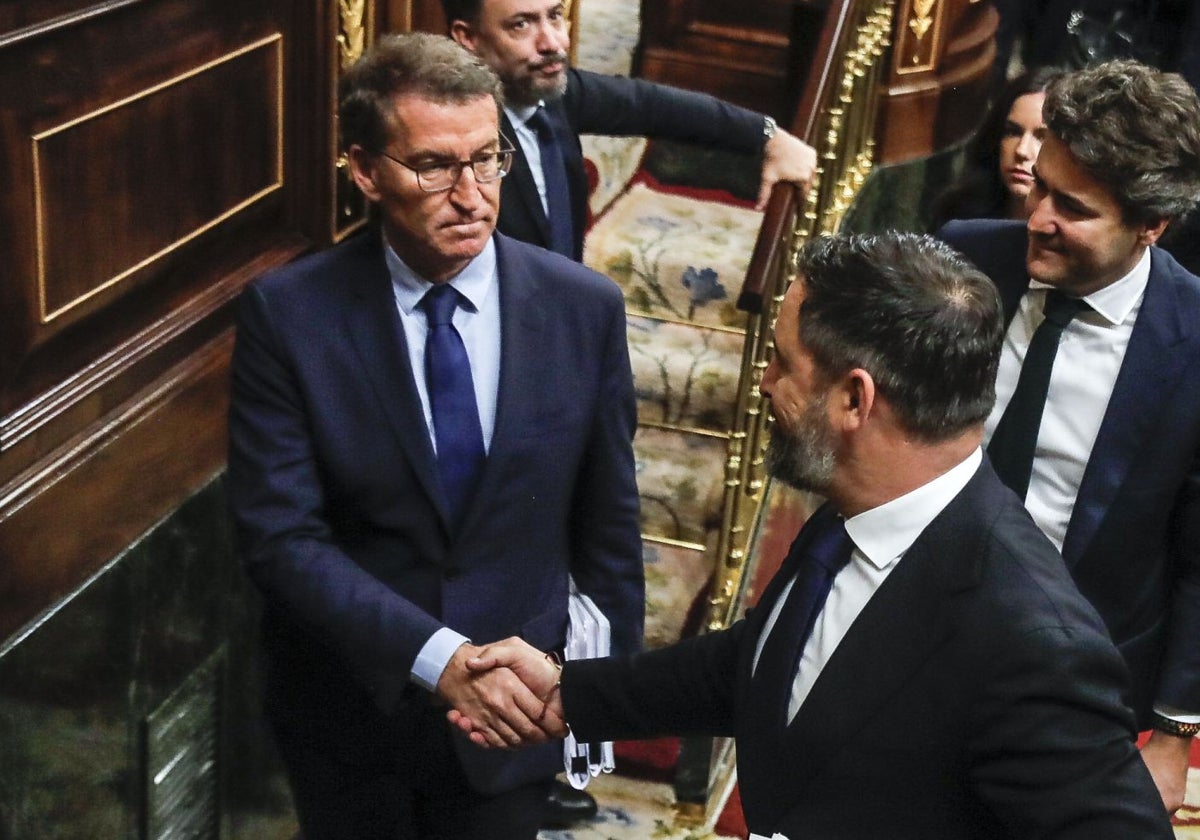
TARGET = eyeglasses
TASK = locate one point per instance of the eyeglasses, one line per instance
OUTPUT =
(439, 177)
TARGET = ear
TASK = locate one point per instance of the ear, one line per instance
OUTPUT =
(1150, 233)
(461, 32)
(364, 169)
(855, 401)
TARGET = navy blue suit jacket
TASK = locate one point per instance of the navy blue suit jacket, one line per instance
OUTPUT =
(340, 518)
(1133, 542)
(976, 696)
(616, 106)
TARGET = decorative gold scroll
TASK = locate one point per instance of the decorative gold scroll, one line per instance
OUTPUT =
(918, 41)
(352, 34)
(354, 27)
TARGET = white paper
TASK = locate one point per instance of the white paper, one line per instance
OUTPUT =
(589, 636)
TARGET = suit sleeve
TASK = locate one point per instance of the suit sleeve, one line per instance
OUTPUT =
(1179, 680)
(684, 689)
(279, 510)
(617, 106)
(1051, 753)
(606, 557)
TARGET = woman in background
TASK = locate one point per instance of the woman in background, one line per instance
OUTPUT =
(999, 159)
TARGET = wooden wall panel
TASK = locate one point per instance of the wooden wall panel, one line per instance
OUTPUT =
(937, 89)
(155, 156)
(742, 52)
(90, 241)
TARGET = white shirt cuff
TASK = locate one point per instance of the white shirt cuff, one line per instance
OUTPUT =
(435, 656)
(1177, 715)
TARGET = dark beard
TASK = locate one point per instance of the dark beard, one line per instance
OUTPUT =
(527, 91)
(804, 460)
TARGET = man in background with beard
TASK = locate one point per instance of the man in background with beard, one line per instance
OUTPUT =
(922, 664)
(549, 104)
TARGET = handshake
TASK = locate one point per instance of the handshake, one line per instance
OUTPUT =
(503, 695)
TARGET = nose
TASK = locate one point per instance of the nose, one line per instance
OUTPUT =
(1041, 213)
(552, 37)
(466, 190)
(1027, 148)
(769, 378)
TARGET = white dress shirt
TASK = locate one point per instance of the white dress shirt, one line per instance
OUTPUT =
(881, 537)
(1085, 369)
(478, 322)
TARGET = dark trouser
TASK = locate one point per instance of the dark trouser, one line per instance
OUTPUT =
(416, 791)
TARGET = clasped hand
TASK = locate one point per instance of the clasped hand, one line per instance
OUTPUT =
(503, 695)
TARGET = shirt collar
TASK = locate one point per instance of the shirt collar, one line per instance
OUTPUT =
(1116, 300)
(519, 116)
(883, 534)
(474, 282)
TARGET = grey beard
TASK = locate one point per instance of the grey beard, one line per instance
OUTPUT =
(804, 461)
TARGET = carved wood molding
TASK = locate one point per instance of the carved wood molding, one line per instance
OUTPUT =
(353, 31)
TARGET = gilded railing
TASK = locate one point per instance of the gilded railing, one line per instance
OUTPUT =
(837, 117)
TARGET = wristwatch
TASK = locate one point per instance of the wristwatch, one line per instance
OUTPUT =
(1173, 727)
(769, 127)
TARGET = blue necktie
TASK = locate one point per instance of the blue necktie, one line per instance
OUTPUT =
(1014, 441)
(826, 554)
(460, 452)
(558, 195)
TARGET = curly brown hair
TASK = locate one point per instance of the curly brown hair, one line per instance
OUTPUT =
(1136, 130)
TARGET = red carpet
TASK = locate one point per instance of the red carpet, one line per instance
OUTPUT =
(655, 761)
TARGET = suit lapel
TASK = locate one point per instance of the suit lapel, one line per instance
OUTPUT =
(519, 187)
(901, 627)
(1139, 397)
(374, 328)
(522, 356)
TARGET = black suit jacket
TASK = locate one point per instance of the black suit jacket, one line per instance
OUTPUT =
(977, 695)
(1133, 542)
(616, 106)
(340, 518)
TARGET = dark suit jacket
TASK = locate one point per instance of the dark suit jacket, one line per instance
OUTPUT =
(339, 514)
(1133, 543)
(616, 106)
(977, 695)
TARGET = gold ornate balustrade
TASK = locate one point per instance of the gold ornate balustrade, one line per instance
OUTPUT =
(842, 98)
(837, 116)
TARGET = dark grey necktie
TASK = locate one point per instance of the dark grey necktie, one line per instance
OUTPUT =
(554, 175)
(1015, 439)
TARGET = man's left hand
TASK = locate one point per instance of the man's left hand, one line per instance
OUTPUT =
(786, 158)
(1166, 758)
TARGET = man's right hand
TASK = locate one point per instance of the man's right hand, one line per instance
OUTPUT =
(536, 674)
(502, 711)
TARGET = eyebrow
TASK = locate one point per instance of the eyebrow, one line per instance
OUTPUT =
(428, 155)
(1073, 202)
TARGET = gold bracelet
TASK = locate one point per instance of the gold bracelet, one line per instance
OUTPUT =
(1174, 727)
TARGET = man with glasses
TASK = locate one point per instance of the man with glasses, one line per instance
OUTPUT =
(431, 428)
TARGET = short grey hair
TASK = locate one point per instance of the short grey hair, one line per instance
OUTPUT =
(430, 66)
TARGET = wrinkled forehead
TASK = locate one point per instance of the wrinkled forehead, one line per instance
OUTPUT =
(437, 129)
